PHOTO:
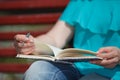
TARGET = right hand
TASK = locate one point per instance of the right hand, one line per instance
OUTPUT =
(24, 45)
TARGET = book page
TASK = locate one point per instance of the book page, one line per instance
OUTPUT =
(42, 57)
(74, 52)
(77, 55)
(55, 50)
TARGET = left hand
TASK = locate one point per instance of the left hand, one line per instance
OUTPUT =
(110, 55)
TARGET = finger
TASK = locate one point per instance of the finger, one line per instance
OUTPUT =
(113, 61)
(95, 62)
(108, 55)
(21, 38)
(104, 50)
(110, 66)
(18, 50)
(27, 50)
(25, 45)
(15, 43)
(107, 62)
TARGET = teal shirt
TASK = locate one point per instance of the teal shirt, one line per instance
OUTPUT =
(96, 24)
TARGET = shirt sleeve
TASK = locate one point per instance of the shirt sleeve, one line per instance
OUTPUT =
(69, 12)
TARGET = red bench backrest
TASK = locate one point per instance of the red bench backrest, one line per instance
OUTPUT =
(46, 12)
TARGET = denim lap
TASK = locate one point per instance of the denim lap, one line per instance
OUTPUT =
(46, 70)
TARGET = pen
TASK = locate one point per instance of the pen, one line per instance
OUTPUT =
(27, 35)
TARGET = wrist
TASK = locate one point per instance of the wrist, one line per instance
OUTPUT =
(41, 48)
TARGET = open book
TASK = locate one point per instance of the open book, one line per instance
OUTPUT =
(52, 53)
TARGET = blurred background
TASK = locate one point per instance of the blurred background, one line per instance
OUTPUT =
(21, 17)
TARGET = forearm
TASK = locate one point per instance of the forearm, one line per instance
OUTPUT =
(40, 42)
(58, 36)
(46, 39)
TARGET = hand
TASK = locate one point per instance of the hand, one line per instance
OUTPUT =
(110, 55)
(23, 44)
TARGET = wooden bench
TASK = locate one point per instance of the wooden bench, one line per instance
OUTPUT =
(17, 12)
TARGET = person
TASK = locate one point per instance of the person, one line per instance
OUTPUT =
(93, 25)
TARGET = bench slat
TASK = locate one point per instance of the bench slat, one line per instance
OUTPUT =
(13, 67)
(30, 19)
(28, 4)
(10, 35)
(49, 12)
(7, 52)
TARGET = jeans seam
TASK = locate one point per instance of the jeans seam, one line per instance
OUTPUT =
(53, 78)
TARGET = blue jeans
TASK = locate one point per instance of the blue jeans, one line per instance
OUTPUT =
(46, 70)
